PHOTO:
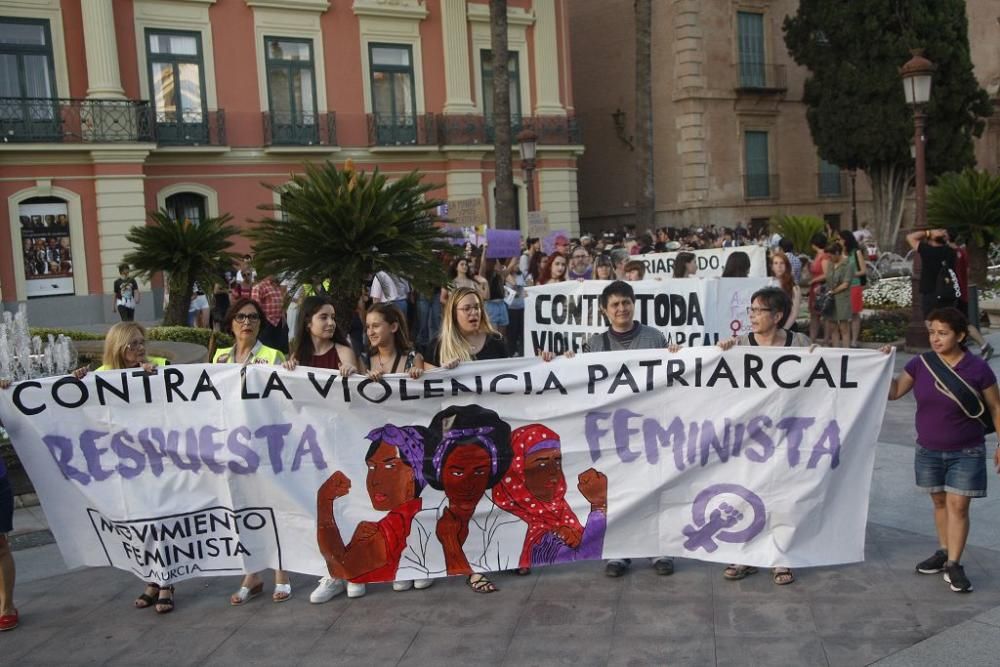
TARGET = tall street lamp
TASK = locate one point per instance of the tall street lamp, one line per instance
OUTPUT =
(917, 74)
(529, 143)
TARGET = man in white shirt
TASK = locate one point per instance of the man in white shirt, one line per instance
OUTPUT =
(387, 288)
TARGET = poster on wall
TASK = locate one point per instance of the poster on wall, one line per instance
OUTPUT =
(48, 255)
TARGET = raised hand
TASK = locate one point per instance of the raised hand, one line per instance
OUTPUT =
(593, 486)
(336, 486)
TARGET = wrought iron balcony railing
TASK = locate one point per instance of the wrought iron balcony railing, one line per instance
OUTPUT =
(282, 128)
(760, 186)
(761, 77)
(190, 128)
(402, 129)
(458, 130)
(51, 120)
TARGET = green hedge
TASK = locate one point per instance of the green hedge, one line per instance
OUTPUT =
(171, 334)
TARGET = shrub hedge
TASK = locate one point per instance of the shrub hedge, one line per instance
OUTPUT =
(171, 334)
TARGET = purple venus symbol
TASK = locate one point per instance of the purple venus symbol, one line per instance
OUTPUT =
(715, 526)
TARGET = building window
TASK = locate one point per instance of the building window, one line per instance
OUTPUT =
(177, 82)
(291, 90)
(832, 219)
(513, 67)
(750, 38)
(758, 177)
(830, 180)
(394, 103)
(186, 206)
(28, 111)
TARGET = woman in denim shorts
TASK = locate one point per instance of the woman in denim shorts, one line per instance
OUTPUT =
(950, 461)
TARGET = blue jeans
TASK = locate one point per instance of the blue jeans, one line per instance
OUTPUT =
(428, 319)
(961, 472)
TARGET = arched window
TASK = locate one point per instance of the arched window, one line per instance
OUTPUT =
(186, 206)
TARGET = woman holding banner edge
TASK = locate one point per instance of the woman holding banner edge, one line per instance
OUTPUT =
(8, 612)
(950, 458)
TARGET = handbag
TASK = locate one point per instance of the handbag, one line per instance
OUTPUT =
(951, 384)
(824, 304)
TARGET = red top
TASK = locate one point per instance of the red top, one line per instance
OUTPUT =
(394, 529)
(962, 269)
(268, 295)
(329, 359)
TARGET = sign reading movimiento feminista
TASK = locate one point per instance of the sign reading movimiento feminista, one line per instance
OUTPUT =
(738, 456)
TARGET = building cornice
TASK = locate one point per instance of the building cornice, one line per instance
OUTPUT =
(398, 9)
(301, 5)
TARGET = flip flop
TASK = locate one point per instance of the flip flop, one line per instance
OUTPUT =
(282, 593)
(244, 594)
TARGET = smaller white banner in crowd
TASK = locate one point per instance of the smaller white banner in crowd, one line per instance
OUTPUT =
(710, 261)
(689, 311)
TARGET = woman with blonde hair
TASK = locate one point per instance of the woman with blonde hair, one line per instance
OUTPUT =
(125, 347)
(466, 332)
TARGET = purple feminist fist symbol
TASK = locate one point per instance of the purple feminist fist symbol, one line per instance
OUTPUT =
(706, 531)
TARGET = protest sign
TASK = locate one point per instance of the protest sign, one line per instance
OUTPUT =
(537, 224)
(502, 243)
(205, 470)
(556, 240)
(689, 311)
(710, 261)
(464, 212)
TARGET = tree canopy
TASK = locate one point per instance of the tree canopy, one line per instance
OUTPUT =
(856, 109)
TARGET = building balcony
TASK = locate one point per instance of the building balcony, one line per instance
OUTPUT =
(831, 184)
(761, 78)
(760, 186)
(300, 129)
(402, 129)
(74, 121)
(190, 128)
(472, 129)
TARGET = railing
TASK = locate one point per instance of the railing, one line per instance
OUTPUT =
(282, 128)
(190, 128)
(761, 77)
(54, 120)
(760, 186)
(402, 130)
(831, 183)
(459, 130)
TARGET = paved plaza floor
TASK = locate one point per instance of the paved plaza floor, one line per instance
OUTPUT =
(879, 611)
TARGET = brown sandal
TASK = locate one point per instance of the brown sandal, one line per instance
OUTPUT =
(167, 604)
(737, 572)
(782, 576)
(146, 600)
(480, 584)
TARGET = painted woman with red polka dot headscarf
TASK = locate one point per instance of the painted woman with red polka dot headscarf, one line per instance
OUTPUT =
(534, 490)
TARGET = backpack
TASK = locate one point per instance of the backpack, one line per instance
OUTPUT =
(946, 289)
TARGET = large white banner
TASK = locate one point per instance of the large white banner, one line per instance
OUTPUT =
(689, 311)
(760, 456)
(711, 261)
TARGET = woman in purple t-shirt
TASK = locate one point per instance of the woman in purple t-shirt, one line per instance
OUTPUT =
(950, 461)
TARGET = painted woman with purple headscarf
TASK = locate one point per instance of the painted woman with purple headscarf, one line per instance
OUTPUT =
(394, 481)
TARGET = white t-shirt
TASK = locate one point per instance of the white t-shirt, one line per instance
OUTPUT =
(386, 287)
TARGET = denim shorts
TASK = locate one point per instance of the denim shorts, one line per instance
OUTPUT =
(497, 310)
(961, 472)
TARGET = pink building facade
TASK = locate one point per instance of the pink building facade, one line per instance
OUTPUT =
(112, 108)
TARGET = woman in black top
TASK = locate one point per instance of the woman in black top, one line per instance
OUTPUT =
(466, 332)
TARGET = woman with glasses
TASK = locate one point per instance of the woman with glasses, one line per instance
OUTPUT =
(244, 319)
(769, 307)
(125, 347)
(466, 332)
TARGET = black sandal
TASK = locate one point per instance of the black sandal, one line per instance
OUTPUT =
(166, 603)
(480, 584)
(146, 599)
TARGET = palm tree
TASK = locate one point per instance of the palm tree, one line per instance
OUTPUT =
(968, 203)
(799, 229)
(185, 252)
(645, 206)
(334, 227)
(502, 141)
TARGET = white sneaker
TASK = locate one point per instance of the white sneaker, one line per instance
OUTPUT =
(421, 584)
(400, 586)
(355, 590)
(327, 589)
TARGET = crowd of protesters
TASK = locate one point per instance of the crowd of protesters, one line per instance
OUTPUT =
(479, 315)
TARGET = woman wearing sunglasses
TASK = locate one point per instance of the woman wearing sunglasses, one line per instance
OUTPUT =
(244, 319)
